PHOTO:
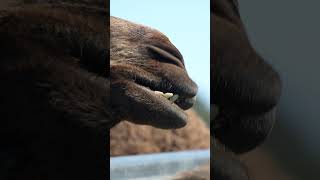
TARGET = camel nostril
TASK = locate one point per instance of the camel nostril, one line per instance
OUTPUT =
(170, 56)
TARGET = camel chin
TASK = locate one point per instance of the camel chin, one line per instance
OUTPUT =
(149, 82)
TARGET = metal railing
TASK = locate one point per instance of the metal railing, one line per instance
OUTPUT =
(156, 166)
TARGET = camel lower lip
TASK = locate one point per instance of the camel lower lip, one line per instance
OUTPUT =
(172, 116)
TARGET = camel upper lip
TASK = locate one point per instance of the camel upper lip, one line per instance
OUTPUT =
(184, 102)
(186, 92)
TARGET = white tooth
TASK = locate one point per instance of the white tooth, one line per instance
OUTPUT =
(168, 95)
(174, 97)
(158, 92)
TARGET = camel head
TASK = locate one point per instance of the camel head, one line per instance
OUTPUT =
(149, 81)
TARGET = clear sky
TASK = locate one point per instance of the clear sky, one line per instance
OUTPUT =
(185, 22)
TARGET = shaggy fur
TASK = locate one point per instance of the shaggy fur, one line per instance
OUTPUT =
(127, 138)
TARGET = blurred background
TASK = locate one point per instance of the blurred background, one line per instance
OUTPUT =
(286, 34)
(187, 25)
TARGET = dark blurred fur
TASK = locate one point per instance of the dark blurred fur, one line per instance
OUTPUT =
(54, 91)
(245, 91)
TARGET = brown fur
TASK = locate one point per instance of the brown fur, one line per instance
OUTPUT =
(143, 60)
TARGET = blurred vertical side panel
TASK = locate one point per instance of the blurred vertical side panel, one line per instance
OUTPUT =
(54, 69)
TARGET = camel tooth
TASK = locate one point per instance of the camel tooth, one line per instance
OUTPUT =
(174, 98)
(168, 95)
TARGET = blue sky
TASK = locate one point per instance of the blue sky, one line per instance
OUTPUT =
(185, 22)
